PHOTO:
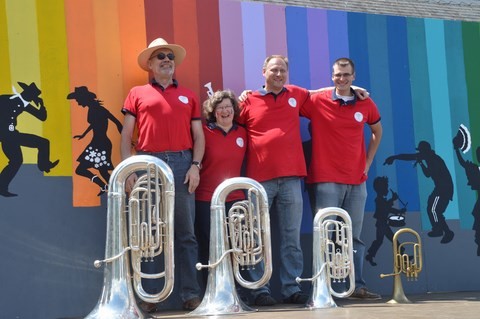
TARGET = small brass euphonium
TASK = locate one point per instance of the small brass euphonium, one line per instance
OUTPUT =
(150, 233)
(332, 257)
(239, 241)
(403, 263)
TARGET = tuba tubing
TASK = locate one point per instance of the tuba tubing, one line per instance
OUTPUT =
(220, 295)
(117, 299)
(330, 263)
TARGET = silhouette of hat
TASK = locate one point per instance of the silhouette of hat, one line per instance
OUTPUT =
(424, 146)
(82, 93)
(30, 92)
(160, 43)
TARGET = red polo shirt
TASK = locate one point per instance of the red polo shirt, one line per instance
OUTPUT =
(274, 140)
(224, 154)
(338, 139)
(163, 116)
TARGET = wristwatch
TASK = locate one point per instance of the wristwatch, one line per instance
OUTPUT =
(197, 164)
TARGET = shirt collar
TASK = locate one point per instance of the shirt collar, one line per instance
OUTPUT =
(155, 83)
(343, 102)
(264, 92)
(214, 126)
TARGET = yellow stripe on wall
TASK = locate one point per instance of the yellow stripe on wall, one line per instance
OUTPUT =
(55, 82)
(5, 83)
(24, 61)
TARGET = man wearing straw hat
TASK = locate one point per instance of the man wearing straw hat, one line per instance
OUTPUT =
(167, 116)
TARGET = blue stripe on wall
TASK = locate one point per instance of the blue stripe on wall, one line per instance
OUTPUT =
(297, 42)
(437, 64)
(338, 35)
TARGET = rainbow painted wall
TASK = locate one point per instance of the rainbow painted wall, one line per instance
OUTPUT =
(422, 73)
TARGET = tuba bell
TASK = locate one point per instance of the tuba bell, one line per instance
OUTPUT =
(332, 257)
(403, 263)
(239, 241)
(150, 234)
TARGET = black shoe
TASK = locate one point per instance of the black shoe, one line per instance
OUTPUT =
(435, 233)
(447, 237)
(297, 298)
(369, 258)
(364, 294)
(265, 300)
(50, 166)
(6, 193)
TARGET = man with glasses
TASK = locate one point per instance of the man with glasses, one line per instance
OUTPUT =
(340, 159)
(167, 116)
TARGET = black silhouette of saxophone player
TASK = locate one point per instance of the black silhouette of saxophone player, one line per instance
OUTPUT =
(11, 106)
(97, 155)
(433, 166)
(383, 209)
(472, 172)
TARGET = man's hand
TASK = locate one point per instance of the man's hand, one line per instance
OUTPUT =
(130, 182)
(361, 93)
(244, 95)
(192, 178)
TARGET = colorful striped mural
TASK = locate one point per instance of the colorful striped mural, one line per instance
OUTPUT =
(422, 73)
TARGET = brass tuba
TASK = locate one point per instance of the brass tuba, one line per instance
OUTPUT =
(244, 235)
(332, 257)
(403, 263)
(150, 233)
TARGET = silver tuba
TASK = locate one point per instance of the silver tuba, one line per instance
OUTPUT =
(332, 257)
(244, 235)
(150, 233)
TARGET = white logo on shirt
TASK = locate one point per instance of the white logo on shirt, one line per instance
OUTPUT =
(292, 102)
(358, 116)
(240, 142)
(183, 99)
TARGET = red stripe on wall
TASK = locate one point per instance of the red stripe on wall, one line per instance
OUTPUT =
(210, 54)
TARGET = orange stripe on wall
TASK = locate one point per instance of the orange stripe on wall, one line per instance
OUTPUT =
(132, 41)
(82, 66)
(185, 28)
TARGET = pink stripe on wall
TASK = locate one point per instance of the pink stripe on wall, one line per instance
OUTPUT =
(275, 30)
(254, 43)
(232, 45)
(318, 48)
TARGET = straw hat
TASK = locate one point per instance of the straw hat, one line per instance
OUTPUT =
(160, 43)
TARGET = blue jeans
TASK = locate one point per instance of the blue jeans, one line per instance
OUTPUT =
(351, 198)
(285, 195)
(186, 248)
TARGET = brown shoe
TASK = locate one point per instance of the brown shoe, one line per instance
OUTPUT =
(364, 294)
(148, 307)
(192, 304)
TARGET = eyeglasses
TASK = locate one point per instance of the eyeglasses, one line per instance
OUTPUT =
(339, 75)
(162, 56)
(222, 108)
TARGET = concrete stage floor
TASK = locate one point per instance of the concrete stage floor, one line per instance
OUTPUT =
(461, 305)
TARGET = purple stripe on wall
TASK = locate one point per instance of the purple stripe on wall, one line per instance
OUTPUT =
(318, 50)
(232, 45)
(275, 30)
(254, 43)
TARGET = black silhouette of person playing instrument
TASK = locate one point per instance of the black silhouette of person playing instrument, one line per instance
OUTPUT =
(433, 166)
(11, 106)
(472, 172)
(383, 209)
(97, 155)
